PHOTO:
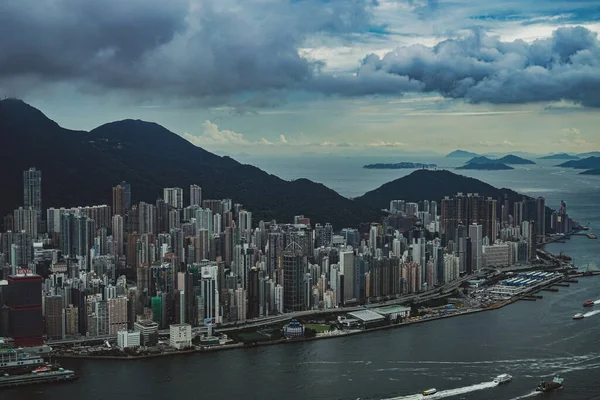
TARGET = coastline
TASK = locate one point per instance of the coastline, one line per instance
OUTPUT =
(234, 346)
(288, 341)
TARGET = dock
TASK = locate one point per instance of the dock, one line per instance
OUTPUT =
(550, 289)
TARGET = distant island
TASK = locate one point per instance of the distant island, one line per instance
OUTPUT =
(461, 154)
(514, 160)
(401, 165)
(589, 154)
(508, 159)
(559, 156)
(586, 163)
(491, 166)
(590, 172)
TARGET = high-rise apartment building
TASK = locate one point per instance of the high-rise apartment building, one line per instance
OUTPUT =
(118, 230)
(173, 197)
(32, 191)
(117, 314)
(195, 195)
(120, 199)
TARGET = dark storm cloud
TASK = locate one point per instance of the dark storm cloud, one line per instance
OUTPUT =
(189, 49)
(244, 51)
(482, 68)
(77, 38)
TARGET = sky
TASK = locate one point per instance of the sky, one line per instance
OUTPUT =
(294, 77)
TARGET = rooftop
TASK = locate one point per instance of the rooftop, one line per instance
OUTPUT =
(391, 310)
(366, 315)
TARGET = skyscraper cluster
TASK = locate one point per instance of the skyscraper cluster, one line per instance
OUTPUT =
(106, 269)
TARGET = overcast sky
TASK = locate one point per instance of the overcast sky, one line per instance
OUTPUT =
(291, 76)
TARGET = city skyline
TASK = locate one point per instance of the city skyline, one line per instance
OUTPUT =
(189, 268)
(358, 77)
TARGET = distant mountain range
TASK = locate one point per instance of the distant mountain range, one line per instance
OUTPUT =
(508, 159)
(80, 168)
(586, 163)
(461, 154)
(589, 154)
(486, 166)
(560, 156)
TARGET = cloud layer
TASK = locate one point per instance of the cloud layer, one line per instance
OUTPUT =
(242, 51)
(481, 68)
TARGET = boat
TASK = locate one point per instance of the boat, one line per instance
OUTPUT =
(588, 303)
(504, 378)
(53, 376)
(555, 384)
(429, 392)
(578, 316)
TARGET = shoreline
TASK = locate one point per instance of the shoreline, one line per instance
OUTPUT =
(287, 341)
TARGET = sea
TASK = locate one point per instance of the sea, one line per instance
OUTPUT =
(457, 356)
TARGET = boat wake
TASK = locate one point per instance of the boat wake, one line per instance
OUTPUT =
(596, 301)
(531, 394)
(591, 313)
(449, 393)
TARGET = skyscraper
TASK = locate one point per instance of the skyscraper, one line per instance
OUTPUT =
(540, 221)
(54, 317)
(119, 195)
(294, 269)
(476, 235)
(117, 235)
(195, 195)
(253, 294)
(24, 301)
(32, 191)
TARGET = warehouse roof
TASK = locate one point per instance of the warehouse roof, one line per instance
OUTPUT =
(366, 316)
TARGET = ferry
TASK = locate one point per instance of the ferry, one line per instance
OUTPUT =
(429, 392)
(578, 316)
(588, 303)
(504, 378)
(555, 384)
(51, 376)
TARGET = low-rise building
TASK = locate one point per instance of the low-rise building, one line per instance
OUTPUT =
(148, 332)
(128, 339)
(181, 336)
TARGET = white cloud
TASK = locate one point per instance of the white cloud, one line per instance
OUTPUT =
(382, 143)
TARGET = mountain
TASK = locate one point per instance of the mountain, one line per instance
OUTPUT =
(492, 166)
(586, 163)
(461, 154)
(514, 160)
(80, 168)
(559, 156)
(590, 172)
(589, 154)
(481, 160)
(432, 185)
(509, 159)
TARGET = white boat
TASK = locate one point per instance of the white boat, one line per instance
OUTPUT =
(429, 392)
(578, 316)
(504, 378)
